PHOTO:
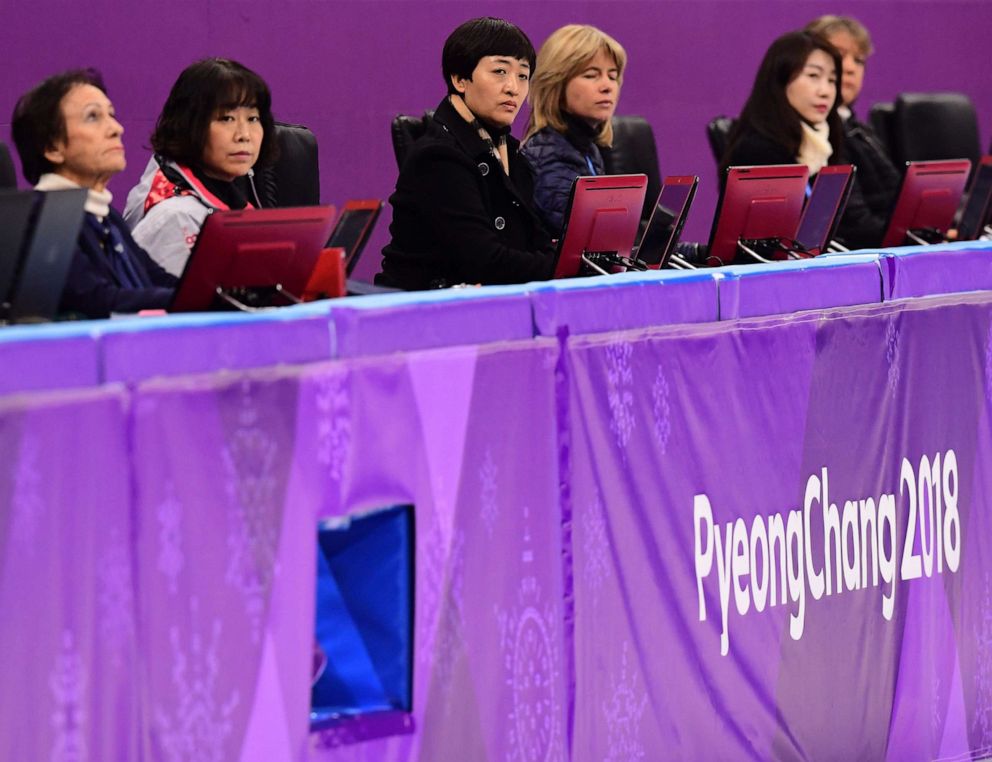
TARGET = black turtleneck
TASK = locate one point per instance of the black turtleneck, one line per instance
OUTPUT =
(228, 192)
(579, 132)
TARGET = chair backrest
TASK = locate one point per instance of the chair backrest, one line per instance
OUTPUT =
(718, 134)
(406, 130)
(931, 126)
(294, 180)
(8, 177)
(634, 152)
(881, 118)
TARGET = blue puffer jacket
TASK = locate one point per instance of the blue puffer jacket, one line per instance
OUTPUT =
(558, 158)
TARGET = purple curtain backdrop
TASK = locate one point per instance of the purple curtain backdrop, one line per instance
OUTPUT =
(157, 529)
(345, 68)
(225, 570)
(168, 604)
(433, 429)
(745, 414)
(158, 545)
(67, 590)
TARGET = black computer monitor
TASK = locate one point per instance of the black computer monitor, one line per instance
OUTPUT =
(15, 221)
(667, 220)
(928, 199)
(603, 215)
(45, 266)
(353, 228)
(824, 208)
(757, 203)
(978, 204)
(253, 249)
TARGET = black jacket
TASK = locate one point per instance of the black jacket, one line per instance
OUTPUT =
(558, 158)
(457, 217)
(94, 290)
(859, 228)
(877, 175)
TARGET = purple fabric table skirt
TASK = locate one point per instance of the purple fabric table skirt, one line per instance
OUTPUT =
(597, 574)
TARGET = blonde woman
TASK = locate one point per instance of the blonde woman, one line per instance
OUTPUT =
(573, 96)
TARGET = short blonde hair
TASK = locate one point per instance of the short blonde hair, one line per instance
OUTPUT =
(827, 26)
(563, 56)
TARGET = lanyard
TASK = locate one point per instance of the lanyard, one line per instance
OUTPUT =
(592, 169)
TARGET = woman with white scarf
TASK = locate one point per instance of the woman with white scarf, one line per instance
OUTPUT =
(68, 136)
(791, 117)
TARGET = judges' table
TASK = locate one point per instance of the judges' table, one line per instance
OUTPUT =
(704, 535)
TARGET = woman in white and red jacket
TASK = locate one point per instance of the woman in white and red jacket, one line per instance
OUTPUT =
(215, 126)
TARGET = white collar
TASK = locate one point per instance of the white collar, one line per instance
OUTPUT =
(815, 149)
(97, 202)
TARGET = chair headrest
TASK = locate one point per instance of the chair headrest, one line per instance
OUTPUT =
(936, 126)
(294, 179)
(8, 177)
(718, 133)
(406, 130)
(634, 151)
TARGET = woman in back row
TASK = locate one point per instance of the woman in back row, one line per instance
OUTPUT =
(878, 178)
(791, 117)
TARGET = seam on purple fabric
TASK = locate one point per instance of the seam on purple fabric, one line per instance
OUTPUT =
(563, 426)
(881, 279)
(887, 265)
(100, 340)
(130, 407)
(723, 284)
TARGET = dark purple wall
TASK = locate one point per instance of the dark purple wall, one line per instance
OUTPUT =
(345, 68)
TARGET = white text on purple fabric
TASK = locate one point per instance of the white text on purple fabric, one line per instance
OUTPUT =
(781, 556)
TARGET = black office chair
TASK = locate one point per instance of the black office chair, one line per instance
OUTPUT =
(406, 130)
(718, 134)
(8, 177)
(294, 180)
(930, 126)
(634, 151)
(881, 119)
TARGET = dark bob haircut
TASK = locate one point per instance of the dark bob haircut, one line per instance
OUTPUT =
(203, 90)
(38, 122)
(767, 110)
(478, 38)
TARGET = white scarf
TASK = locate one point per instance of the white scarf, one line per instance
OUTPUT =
(815, 149)
(97, 202)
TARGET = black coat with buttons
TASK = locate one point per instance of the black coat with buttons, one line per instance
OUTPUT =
(458, 218)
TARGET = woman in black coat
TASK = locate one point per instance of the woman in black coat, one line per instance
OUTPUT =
(791, 118)
(462, 209)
